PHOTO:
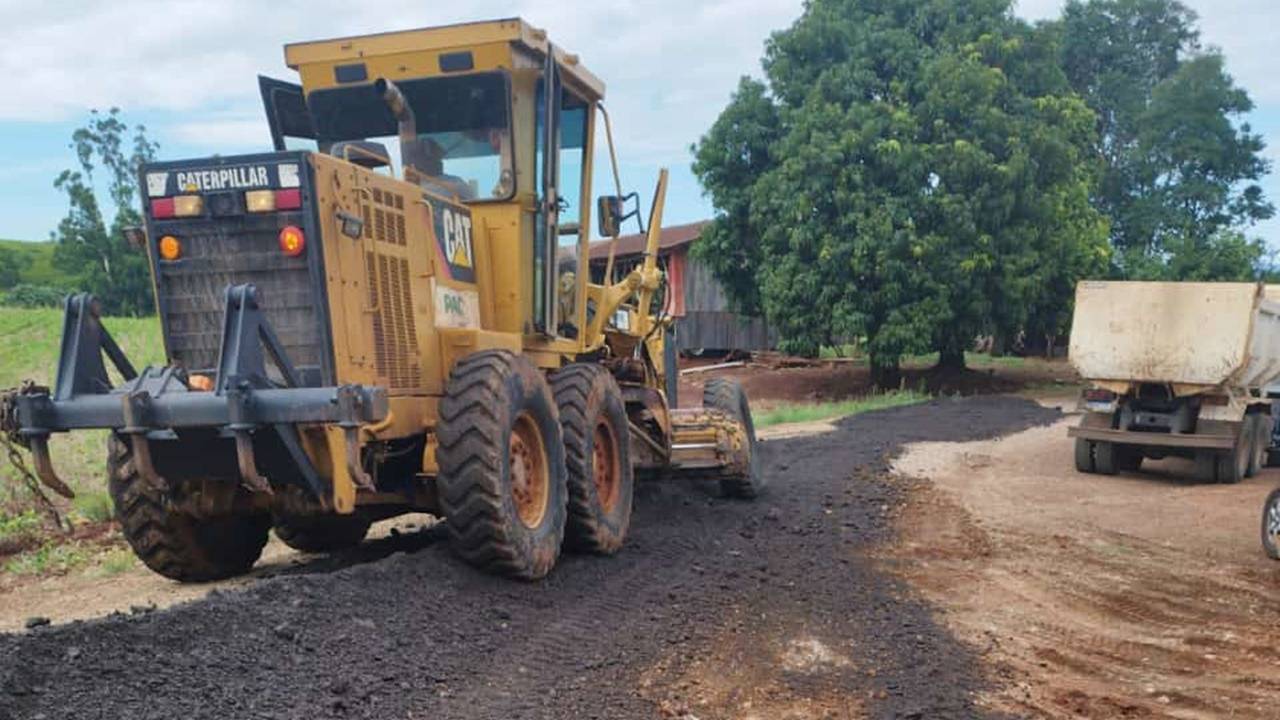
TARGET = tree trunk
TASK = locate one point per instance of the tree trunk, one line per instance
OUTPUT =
(885, 375)
(951, 357)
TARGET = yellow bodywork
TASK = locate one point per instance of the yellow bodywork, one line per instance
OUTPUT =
(400, 320)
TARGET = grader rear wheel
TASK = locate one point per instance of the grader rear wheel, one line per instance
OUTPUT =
(178, 546)
(601, 479)
(728, 396)
(502, 468)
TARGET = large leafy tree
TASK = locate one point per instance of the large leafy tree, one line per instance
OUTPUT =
(1181, 168)
(92, 248)
(915, 172)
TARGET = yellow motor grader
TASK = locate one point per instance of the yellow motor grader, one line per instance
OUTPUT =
(394, 312)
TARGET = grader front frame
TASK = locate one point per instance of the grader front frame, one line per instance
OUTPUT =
(346, 344)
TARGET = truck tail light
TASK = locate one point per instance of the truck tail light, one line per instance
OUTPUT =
(264, 201)
(292, 241)
(1098, 395)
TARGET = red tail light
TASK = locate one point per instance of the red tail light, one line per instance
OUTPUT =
(288, 199)
(162, 208)
(1098, 395)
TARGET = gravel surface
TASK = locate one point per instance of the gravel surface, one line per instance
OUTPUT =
(418, 634)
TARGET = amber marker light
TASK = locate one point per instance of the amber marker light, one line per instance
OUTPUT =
(292, 241)
(200, 383)
(170, 248)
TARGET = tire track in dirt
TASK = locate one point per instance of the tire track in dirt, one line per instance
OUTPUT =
(716, 609)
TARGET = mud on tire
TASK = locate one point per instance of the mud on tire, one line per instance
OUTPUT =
(727, 395)
(593, 418)
(322, 533)
(502, 472)
(179, 546)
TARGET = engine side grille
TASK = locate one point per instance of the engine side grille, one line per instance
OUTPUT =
(395, 336)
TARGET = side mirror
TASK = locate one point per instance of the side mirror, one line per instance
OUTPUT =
(611, 212)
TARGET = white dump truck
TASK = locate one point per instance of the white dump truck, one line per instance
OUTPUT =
(1177, 369)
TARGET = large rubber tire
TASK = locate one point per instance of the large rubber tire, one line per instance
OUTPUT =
(727, 395)
(1106, 458)
(1084, 456)
(496, 405)
(1271, 525)
(597, 445)
(175, 545)
(1260, 439)
(322, 533)
(1233, 465)
(1206, 466)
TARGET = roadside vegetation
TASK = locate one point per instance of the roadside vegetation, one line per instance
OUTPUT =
(29, 545)
(920, 174)
(789, 413)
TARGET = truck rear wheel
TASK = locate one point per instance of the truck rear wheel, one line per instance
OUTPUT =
(593, 418)
(1233, 465)
(1271, 525)
(1105, 458)
(179, 546)
(321, 533)
(502, 472)
(1259, 441)
(727, 395)
(1084, 456)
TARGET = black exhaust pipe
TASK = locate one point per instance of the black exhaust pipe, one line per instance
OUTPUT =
(407, 123)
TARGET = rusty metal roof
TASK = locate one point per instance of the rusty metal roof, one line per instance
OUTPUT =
(673, 237)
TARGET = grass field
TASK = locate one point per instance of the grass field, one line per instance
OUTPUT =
(30, 340)
(813, 412)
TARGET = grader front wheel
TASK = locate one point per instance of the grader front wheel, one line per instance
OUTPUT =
(179, 546)
(728, 396)
(502, 469)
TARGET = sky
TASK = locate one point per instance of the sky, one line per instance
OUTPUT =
(187, 71)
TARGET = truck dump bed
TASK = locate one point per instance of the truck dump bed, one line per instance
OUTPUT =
(1190, 335)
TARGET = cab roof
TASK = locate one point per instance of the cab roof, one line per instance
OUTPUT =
(458, 37)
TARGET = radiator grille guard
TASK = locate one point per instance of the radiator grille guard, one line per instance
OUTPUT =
(225, 246)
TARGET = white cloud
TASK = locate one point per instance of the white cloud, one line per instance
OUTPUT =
(670, 65)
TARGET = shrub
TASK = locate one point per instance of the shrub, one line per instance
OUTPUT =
(34, 296)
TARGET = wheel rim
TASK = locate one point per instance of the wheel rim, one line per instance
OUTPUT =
(606, 471)
(530, 482)
(1273, 521)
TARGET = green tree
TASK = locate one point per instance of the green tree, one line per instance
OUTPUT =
(94, 250)
(11, 266)
(922, 176)
(1181, 169)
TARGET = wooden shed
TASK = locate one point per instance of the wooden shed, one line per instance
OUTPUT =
(706, 321)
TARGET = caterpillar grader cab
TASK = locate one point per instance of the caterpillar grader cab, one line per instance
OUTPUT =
(391, 312)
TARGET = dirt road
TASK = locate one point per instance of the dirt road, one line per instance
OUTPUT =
(1140, 596)
(716, 609)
